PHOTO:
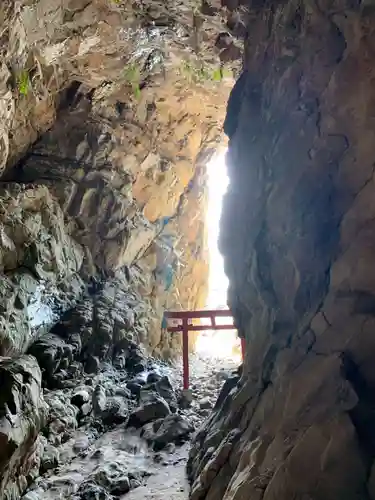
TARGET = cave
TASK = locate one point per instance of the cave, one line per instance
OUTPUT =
(110, 114)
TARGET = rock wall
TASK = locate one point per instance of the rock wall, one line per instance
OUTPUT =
(23, 414)
(298, 239)
(111, 109)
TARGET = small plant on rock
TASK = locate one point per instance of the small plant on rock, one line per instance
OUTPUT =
(200, 72)
(220, 73)
(23, 83)
(196, 6)
(133, 77)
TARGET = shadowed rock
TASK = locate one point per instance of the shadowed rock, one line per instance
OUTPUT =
(23, 413)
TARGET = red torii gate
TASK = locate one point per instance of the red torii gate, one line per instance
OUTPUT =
(185, 324)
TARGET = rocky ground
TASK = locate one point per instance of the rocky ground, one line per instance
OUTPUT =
(119, 432)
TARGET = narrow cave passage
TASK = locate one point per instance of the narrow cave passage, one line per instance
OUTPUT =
(108, 110)
(219, 344)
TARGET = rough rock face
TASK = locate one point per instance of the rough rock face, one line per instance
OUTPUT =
(39, 267)
(109, 110)
(127, 210)
(116, 106)
(298, 238)
(23, 414)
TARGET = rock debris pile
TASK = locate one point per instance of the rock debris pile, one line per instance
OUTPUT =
(99, 436)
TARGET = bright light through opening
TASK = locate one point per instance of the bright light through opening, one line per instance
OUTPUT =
(222, 344)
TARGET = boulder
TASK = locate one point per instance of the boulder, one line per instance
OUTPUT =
(164, 388)
(80, 397)
(62, 419)
(151, 407)
(205, 403)
(99, 400)
(153, 376)
(81, 443)
(23, 414)
(135, 384)
(50, 458)
(92, 491)
(115, 411)
(171, 429)
(112, 477)
(52, 353)
(120, 485)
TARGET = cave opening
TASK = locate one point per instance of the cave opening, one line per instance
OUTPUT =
(217, 344)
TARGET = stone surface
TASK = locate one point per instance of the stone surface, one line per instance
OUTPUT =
(115, 411)
(23, 414)
(109, 111)
(50, 458)
(85, 456)
(80, 397)
(39, 265)
(62, 418)
(298, 243)
(171, 429)
(151, 407)
(205, 403)
(118, 107)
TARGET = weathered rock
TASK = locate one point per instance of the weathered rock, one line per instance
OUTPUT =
(111, 477)
(62, 418)
(92, 364)
(99, 328)
(171, 429)
(134, 483)
(134, 388)
(164, 387)
(153, 377)
(23, 414)
(81, 444)
(80, 397)
(151, 407)
(115, 189)
(85, 409)
(205, 403)
(115, 411)
(53, 355)
(119, 361)
(99, 400)
(92, 491)
(33, 495)
(50, 458)
(228, 386)
(140, 379)
(298, 241)
(39, 264)
(120, 485)
(135, 359)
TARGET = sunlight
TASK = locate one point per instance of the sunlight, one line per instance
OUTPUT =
(220, 343)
